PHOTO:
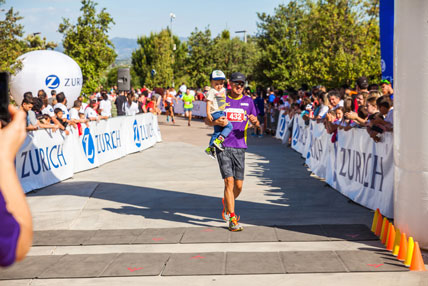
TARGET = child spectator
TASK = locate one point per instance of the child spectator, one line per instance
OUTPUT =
(62, 122)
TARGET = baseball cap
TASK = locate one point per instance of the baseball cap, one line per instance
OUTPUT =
(237, 76)
(384, 81)
(363, 82)
(217, 75)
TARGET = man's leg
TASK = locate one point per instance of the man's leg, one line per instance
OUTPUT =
(229, 194)
(237, 188)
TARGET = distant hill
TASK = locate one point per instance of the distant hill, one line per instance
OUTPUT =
(123, 47)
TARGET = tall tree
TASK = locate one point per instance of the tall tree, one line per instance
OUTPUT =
(329, 42)
(200, 61)
(88, 44)
(11, 46)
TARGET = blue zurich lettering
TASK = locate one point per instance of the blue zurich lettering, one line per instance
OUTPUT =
(137, 138)
(52, 81)
(88, 146)
(107, 141)
(40, 160)
(282, 126)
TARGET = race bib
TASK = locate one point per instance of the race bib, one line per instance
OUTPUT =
(235, 114)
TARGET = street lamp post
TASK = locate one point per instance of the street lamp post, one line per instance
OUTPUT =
(245, 34)
(172, 17)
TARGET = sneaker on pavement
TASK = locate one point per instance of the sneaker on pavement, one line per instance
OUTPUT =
(210, 152)
(234, 225)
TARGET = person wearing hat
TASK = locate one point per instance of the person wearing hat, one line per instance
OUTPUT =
(216, 103)
(239, 111)
(386, 88)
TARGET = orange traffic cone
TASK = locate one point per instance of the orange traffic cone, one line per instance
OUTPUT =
(396, 247)
(417, 260)
(379, 225)
(384, 231)
(375, 218)
(402, 253)
(391, 238)
(410, 247)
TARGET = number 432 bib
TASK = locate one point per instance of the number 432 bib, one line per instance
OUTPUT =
(235, 114)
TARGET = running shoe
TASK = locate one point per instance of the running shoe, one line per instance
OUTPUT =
(210, 152)
(234, 225)
(218, 142)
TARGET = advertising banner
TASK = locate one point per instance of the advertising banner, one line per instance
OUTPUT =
(48, 157)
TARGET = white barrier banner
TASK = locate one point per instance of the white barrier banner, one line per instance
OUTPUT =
(318, 153)
(48, 157)
(44, 159)
(355, 165)
(281, 127)
(199, 108)
(300, 134)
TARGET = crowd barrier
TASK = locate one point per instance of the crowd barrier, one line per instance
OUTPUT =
(354, 165)
(199, 108)
(48, 157)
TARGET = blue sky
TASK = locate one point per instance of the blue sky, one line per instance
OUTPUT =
(135, 18)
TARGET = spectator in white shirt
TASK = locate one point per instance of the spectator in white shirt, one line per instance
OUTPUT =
(74, 113)
(82, 104)
(131, 107)
(62, 101)
(105, 105)
(90, 113)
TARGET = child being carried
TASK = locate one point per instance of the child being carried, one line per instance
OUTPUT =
(216, 103)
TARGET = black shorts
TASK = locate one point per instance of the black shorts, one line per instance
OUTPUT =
(231, 162)
(168, 106)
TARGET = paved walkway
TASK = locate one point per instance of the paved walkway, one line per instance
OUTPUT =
(163, 206)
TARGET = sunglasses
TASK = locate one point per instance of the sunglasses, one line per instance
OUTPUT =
(240, 84)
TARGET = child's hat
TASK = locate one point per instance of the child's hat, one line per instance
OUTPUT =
(217, 75)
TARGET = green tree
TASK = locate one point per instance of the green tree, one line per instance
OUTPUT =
(11, 46)
(88, 44)
(328, 42)
(200, 61)
(35, 42)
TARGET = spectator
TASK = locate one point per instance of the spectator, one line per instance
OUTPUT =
(120, 103)
(62, 101)
(63, 123)
(27, 105)
(323, 107)
(75, 111)
(335, 100)
(83, 105)
(260, 107)
(16, 227)
(131, 108)
(53, 93)
(105, 106)
(90, 112)
(142, 101)
(386, 88)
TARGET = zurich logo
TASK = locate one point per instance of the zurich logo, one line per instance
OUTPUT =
(137, 137)
(382, 65)
(88, 146)
(52, 81)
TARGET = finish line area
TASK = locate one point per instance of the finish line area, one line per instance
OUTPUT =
(155, 217)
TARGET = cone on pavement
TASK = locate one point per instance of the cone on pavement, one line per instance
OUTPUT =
(396, 247)
(379, 225)
(387, 231)
(391, 238)
(403, 248)
(410, 247)
(417, 260)
(384, 231)
(375, 218)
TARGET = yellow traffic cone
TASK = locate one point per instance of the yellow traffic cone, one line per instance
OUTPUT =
(410, 247)
(374, 223)
(396, 247)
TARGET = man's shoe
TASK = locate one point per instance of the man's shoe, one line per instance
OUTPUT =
(218, 143)
(210, 152)
(234, 224)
